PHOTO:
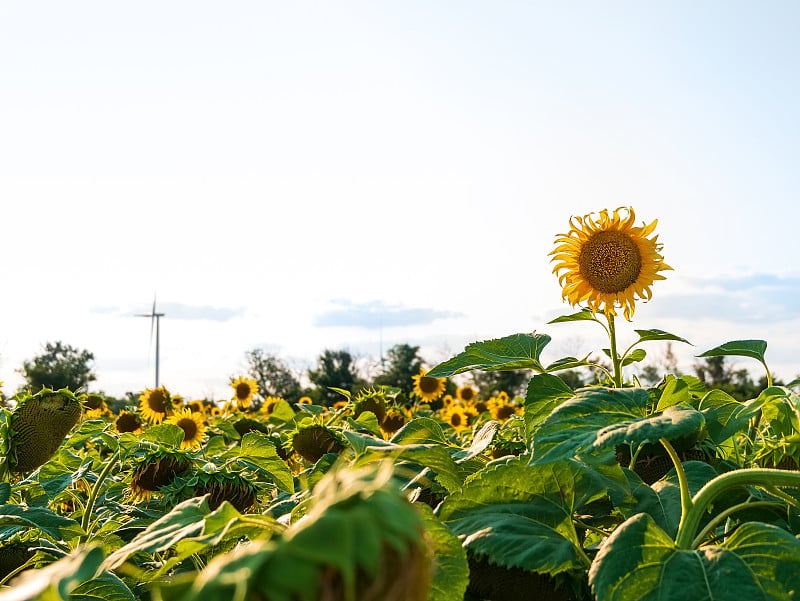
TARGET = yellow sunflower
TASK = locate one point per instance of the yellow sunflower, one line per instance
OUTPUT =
(466, 394)
(244, 389)
(428, 389)
(270, 403)
(305, 400)
(197, 407)
(94, 405)
(501, 408)
(155, 404)
(607, 261)
(457, 417)
(128, 422)
(192, 425)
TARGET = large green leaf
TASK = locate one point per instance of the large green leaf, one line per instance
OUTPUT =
(545, 392)
(190, 528)
(435, 457)
(15, 518)
(754, 349)
(518, 351)
(451, 572)
(725, 416)
(521, 516)
(420, 430)
(56, 581)
(597, 419)
(258, 453)
(106, 587)
(640, 561)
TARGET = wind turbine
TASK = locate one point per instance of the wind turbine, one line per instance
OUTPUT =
(155, 321)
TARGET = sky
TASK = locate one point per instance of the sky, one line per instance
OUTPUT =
(302, 176)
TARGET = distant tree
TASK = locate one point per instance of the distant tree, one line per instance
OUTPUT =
(335, 369)
(59, 366)
(715, 372)
(272, 375)
(402, 363)
(490, 383)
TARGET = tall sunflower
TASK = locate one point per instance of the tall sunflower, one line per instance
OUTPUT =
(608, 262)
(192, 425)
(244, 389)
(428, 389)
(155, 404)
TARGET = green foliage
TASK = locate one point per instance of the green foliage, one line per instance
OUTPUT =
(402, 363)
(335, 369)
(59, 366)
(272, 375)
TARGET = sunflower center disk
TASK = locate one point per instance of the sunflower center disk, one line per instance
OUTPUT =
(428, 384)
(610, 261)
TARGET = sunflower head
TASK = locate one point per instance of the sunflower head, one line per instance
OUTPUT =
(218, 485)
(128, 422)
(244, 389)
(312, 442)
(608, 262)
(370, 401)
(394, 420)
(155, 404)
(428, 389)
(458, 417)
(155, 470)
(38, 425)
(466, 394)
(192, 425)
(94, 405)
(305, 400)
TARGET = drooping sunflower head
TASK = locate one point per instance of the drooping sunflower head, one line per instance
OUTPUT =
(155, 470)
(394, 420)
(155, 404)
(38, 426)
(128, 422)
(312, 442)
(608, 262)
(428, 389)
(244, 389)
(370, 401)
(192, 425)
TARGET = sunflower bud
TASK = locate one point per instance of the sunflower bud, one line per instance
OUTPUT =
(39, 424)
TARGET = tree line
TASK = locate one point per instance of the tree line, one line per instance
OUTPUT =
(60, 365)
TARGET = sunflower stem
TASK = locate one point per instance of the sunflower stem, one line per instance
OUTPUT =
(616, 360)
(95, 491)
(683, 482)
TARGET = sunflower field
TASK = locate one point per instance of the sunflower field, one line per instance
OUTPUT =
(614, 491)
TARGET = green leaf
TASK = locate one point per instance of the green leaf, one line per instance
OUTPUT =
(368, 420)
(545, 392)
(16, 518)
(57, 580)
(420, 430)
(107, 587)
(521, 516)
(640, 561)
(634, 357)
(258, 452)
(648, 335)
(166, 434)
(432, 456)
(451, 575)
(675, 392)
(582, 315)
(281, 412)
(754, 349)
(600, 418)
(567, 363)
(518, 351)
(5, 493)
(725, 416)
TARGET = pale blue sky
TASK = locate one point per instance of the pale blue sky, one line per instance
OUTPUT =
(266, 168)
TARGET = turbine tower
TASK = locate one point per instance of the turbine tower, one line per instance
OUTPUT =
(155, 321)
